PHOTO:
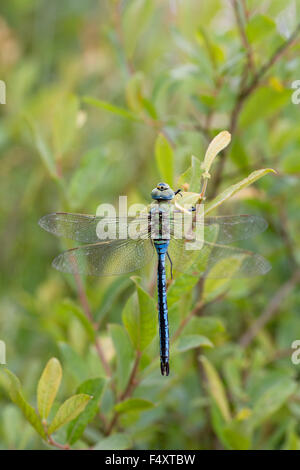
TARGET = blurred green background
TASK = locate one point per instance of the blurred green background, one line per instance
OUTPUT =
(184, 70)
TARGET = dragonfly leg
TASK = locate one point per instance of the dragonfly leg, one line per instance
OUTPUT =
(170, 264)
(178, 192)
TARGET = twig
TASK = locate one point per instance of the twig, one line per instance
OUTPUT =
(86, 308)
(53, 443)
(240, 24)
(132, 379)
(197, 311)
(273, 59)
(271, 310)
(112, 424)
(132, 383)
(83, 297)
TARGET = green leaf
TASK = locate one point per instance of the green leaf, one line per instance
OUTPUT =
(111, 294)
(164, 159)
(48, 387)
(41, 146)
(93, 387)
(215, 286)
(64, 124)
(135, 95)
(180, 286)
(69, 410)
(85, 178)
(140, 319)
(233, 375)
(74, 362)
(272, 399)
(69, 306)
(193, 341)
(125, 354)
(117, 441)
(16, 395)
(259, 28)
(206, 326)
(229, 192)
(138, 14)
(133, 404)
(192, 176)
(237, 435)
(112, 109)
(290, 163)
(268, 101)
(216, 388)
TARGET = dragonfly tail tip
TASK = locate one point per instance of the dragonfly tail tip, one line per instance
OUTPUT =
(164, 367)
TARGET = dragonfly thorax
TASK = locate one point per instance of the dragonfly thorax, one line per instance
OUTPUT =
(162, 192)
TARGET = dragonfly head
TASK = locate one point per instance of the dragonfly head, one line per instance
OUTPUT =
(162, 192)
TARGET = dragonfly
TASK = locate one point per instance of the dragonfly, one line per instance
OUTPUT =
(155, 232)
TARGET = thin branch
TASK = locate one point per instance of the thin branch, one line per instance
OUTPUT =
(245, 92)
(267, 66)
(86, 308)
(244, 38)
(83, 297)
(53, 443)
(112, 424)
(271, 310)
(132, 382)
(131, 385)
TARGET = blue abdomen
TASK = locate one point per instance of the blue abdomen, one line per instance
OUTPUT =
(162, 248)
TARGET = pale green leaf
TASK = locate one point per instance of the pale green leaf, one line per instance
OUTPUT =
(229, 192)
(193, 341)
(216, 388)
(48, 387)
(272, 399)
(71, 307)
(124, 352)
(16, 395)
(133, 404)
(140, 318)
(211, 327)
(69, 410)
(85, 178)
(192, 177)
(164, 159)
(112, 109)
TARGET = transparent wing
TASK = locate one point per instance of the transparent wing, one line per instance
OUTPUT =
(106, 258)
(228, 229)
(217, 261)
(90, 228)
